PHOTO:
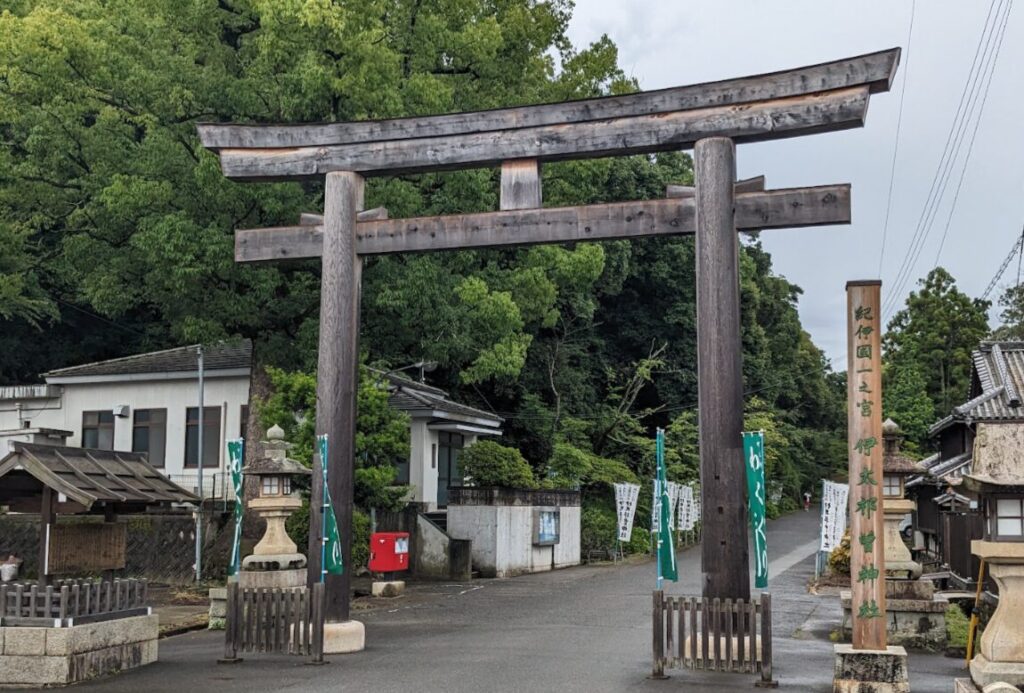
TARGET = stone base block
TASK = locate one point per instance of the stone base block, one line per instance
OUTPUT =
(274, 562)
(986, 672)
(271, 578)
(914, 623)
(698, 647)
(909, 589)
(218, 608)
(387, 588)
(965, 686)
(344, 637)
(59, 656)
(870, 671)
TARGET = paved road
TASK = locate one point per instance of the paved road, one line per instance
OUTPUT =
(582, 629)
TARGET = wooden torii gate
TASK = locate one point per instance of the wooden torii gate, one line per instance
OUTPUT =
(710, 118)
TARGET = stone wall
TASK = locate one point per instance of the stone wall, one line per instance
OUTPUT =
(58, 656)
(499, 525)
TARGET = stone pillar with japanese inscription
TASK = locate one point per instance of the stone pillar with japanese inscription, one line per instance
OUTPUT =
(869, 664)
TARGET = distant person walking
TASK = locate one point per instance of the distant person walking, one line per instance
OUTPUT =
(807, 501)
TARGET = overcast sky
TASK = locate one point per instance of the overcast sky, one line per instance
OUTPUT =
(666, 43)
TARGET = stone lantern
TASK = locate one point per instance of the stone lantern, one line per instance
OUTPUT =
(896, 467)
(275, 561)
(998, 479)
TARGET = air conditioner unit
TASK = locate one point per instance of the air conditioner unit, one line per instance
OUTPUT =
(121, 410)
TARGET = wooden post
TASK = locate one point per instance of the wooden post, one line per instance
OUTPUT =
(337, 378)
(766, 680)
(725, 556)
(658, 633)
(520, 184)
(47, 519)
(864, 412)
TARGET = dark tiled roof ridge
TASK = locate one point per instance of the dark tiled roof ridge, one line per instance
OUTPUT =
(219, 355)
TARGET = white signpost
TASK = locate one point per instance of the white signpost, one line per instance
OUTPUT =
(625, 504)
(833, 514)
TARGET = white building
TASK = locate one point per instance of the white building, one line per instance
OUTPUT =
(440, 430)
(149, 403)
(145, 403)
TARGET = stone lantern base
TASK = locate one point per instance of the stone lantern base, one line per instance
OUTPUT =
(898, 561)
(870, 671)
(1000, 655)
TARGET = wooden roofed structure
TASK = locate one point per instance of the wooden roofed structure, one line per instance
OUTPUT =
(709, 118)
(55, 480)
(86, 480)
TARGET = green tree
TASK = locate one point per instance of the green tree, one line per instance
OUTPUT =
(1012, 314)
(905, 400)
(936, 332)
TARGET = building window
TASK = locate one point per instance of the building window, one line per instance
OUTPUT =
(211, 437)
(149, 434)
(243, 421)
(892, 486)
(1009, 518)
(98, 430)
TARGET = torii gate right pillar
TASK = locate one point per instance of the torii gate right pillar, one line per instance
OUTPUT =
(725, 557)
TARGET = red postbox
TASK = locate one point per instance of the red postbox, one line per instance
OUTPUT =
(389, 552)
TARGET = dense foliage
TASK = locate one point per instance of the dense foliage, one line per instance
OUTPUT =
(488, 463)
(927, 348)
(117, 228)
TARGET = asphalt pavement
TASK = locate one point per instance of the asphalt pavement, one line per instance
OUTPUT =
(579, 629)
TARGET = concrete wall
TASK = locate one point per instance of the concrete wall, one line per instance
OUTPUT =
(35, 657)
(65, 412)
(500, 527)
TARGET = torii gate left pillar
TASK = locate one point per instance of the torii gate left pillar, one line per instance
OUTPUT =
(337, 385)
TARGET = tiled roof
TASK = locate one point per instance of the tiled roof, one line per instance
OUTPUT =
(409, 395)
(999, 370)
(951, 466)
(90, 476)
(222, 356)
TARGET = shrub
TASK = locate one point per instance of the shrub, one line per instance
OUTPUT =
(839, 559)
(298, 530)
(957, 625)
(487, 463)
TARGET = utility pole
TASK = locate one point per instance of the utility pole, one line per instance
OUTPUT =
(199, 456)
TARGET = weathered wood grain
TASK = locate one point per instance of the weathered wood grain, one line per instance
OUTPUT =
(755, 184)
(375, 214)
(520, 184)
(338, 374)
(725, 556)
(874, 70)
(753, 122)
(787, 208)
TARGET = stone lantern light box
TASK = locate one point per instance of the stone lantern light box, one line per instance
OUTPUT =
(276, 560)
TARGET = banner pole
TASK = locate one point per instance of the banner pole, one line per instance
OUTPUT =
(323, 511)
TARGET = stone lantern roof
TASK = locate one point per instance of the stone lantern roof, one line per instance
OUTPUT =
(893, 459)
(275, 459)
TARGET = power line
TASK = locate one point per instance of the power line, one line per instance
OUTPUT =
(1018, 247)
(974, 133)
(896, 143)
(954, 139)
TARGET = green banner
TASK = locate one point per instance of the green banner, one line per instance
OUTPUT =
(753, 454)
(235, 448)
(330, 554)
(661, 529)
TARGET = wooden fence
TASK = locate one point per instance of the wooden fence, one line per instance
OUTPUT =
(713, 635)
(286, 621)
(71, 602)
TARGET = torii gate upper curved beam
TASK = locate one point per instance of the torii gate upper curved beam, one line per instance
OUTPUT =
(817, 98)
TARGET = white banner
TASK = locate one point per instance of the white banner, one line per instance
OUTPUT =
(673, 502)
(626, 496)
(833, 514)
(685, 516)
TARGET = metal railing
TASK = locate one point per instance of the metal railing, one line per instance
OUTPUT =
(216, 485)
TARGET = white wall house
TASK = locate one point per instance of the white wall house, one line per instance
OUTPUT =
(144, 403)
(440, 430)
(150, 403)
